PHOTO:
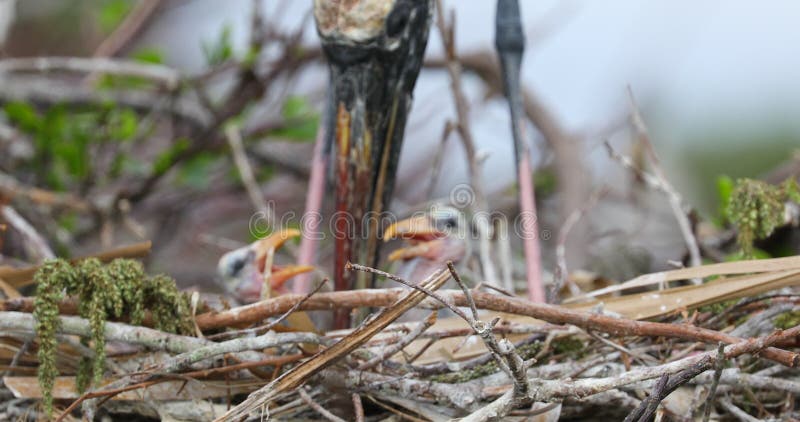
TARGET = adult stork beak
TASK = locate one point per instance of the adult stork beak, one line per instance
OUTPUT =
(374, 50)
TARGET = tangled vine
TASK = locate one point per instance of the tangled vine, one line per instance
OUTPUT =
(757, 209)
(119, 289)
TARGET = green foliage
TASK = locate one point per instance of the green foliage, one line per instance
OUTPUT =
(724, 190)
(787, 320)
(196, 171)
(756, 208)
(219, 50)
(718, 308)
(526, 352)
(65, 140)
(112, 13)
(165, 160)
(122, 82)
(301, 120)
(545, 182)
(120, 288)
(149, 55)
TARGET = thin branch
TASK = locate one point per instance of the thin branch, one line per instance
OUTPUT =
(357, 407)
(712, 392)
(451, 299)
(479, 205)
(388, 352)
(677, 203)
(316, 406)
(561, 255)
(122, 67)
(34, 242)
(133, 23)
(259, 201)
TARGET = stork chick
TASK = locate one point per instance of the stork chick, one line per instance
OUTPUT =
(433, 238)
(247, 270)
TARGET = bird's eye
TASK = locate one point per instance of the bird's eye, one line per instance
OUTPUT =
(237, 266)
(397, 19)
(450, 223)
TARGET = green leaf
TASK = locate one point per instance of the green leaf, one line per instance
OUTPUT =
(725, 187)
(220, 50)
(150, 55)
(123, 124)
(196, 171)
(23, 115)
(163, 161)
(112, 13)
(301, 119)
(296, 107)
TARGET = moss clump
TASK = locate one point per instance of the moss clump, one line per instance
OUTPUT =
(756, 208)
(787, 320)
(118, 289)
(570, 346)
(526, 352)
(718, 307)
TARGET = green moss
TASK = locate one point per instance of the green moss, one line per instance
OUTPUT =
(787, 320)
(527, 351)
(756, 209)
(718, 308)
(118, 289)
(570, 346)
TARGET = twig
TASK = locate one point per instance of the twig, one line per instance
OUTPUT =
(736, 411)
(506, 357)
(561, 255)
(114, 331)
(264, 328)
(436, 165)
(421, 289)
(675, 200)
(712, 392)
(400, 345)
(159, 73)
(479, 205)
(357, 407)
(133, 23)
(10, 187)
(451, 299)
(317, 408)
(457, 278)
(505, 255)
(297, 375)
(184, 360)
(234, 137)
(35, 244)
(649, 405)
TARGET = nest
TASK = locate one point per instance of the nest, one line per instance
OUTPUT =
(722, 347)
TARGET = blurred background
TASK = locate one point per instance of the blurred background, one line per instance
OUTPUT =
(715, 82)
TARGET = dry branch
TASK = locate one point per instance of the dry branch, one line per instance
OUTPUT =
(299, 374)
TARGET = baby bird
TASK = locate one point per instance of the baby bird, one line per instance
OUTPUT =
(433, 238)
(247, 270)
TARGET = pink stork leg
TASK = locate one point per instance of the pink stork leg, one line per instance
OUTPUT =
(530, 229)
(312, 217)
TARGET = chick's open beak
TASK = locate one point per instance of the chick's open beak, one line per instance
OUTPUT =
(274, 241)
(419, 231)
(279, 274)
(283, 273)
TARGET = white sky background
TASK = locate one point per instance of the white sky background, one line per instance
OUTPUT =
(689, 62)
